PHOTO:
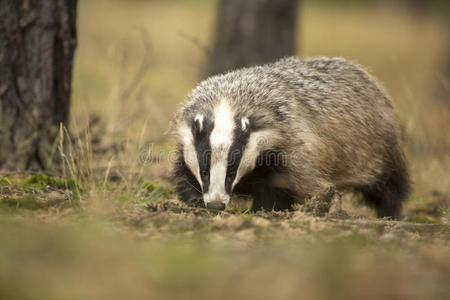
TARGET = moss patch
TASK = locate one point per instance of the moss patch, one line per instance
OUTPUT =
(149, 192)
(43, 181)
(36, 192)
(420, 219)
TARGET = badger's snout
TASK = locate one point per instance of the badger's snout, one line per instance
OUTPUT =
(218, 205)
(216, 201)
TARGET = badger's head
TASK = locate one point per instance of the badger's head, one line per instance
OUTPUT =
(220, 148)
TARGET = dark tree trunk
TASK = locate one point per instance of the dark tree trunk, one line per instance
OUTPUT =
(443, 85)
(253, 32)
(37, 44)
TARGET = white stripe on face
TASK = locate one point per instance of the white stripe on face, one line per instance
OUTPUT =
(258, 142)
(199, 121)
(221, 139)
(189, 152)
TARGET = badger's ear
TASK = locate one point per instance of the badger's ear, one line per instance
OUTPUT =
(245, 124)
(198, 123)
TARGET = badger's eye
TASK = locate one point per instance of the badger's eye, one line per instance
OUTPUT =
(231, 174)
(204, 173)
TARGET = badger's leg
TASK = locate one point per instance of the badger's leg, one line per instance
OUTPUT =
(319, 204)
(268, 197)
(389, 192)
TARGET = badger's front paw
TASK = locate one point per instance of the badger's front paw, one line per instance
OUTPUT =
(319, 205)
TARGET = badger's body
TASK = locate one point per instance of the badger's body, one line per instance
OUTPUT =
(290, 130)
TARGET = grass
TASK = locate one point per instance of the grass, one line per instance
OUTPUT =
(110, 227)
(166, 250)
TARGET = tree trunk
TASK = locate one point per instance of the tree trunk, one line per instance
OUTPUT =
(253, 32)
(37, 45)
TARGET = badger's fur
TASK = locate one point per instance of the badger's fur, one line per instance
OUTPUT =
(290, 130)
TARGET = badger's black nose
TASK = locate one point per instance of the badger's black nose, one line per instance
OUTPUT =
(218, 205)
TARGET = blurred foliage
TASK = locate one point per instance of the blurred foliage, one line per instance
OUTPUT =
(169, 254)
(428, 5)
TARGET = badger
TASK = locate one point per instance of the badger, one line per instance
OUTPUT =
(285, 131)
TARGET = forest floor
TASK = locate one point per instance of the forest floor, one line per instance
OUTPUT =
(63, 241)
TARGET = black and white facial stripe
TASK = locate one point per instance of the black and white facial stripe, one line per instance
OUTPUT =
(220, 149)
(201, 129)
(241, 135)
